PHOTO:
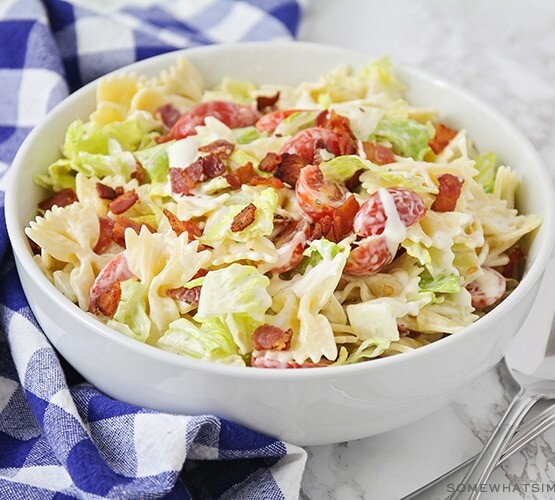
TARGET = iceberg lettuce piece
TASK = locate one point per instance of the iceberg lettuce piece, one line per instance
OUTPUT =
(131, 317)
(486, 164)
(232, 90)
(60, 176)
(155, 161)
(247, 135)
(408, 137)
(236, 295)
(210, 341)
(379, 78)
(447, 283)
(218, 226)
(341, 168)
(318, 251)
(297, 122)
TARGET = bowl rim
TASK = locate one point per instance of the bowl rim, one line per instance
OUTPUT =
(22, 252)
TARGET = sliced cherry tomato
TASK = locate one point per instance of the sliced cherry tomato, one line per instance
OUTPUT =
(371, 218)
(316, 196)
(230, 113)
(106, 291)
(269, 122)
(306, 142)
(369, 257)
(487, 289)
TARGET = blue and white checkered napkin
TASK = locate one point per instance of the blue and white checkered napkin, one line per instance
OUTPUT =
(60, 437)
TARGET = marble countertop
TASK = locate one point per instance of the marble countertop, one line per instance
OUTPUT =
(504, 52)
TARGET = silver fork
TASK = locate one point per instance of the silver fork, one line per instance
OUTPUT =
(535, 386)
(529, 431)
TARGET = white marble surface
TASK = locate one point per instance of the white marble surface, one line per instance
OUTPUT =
(504, 52)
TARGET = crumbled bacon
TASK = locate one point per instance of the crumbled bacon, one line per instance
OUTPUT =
(269, 337)
(354, 182)
(263, 101)
(220, 148)
(270, 162)
(108, 301)
(244, 218)
(189, 295)
(377, 153)
(124, 202)
(343, 217)
(321, 228)
(168, 114)
(121, 224)
(243, 175)
(105, 234)
(289, 168)
(441, 138)
(180, 226)
(449, 191)
(35, 247)
(140, 173)
(212, 166)
(338, 123)
(183, 180)
(105, 192)
(60, 198)
(516, 257)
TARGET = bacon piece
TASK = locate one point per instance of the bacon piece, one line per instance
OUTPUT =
(121, 224)
(267, 181)
(180, 226)
(269, 337)
(105, 192)
(105, 234)
(263, 101)
(321, 228)
(243, 175)
(354, 182)
(189, 295)
(289, 168)
(140, 173)
(220, 148)
(515, 259)
(270, 162)
(60, 198)
(449, 191)
(106, 290)
(124, 202)
(212, 166)
(378, 154)
(244, 218)
(441, 138)
(183, 180)
(343, 218)
(168, 114)
(338, 123)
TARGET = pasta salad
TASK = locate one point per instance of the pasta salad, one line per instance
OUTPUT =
(277, 227)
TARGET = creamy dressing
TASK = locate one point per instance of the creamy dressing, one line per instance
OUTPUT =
(360, 150)
(183, 152)
(395, 231)
(490, 283)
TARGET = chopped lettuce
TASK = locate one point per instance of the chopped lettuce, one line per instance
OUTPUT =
(407, 137)
(209, 341)
(236, 295)
(155, 161)
(131, 317)
(486, 165)
(218, 226)
(318, 251)
(60, 176)
(297, 122)
(247, 135)
(447, 283)
(341, 168)
(232, 90)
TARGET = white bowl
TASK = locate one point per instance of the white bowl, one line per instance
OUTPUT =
(311, 406)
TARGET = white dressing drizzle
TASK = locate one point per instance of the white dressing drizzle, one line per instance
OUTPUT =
(395, 231)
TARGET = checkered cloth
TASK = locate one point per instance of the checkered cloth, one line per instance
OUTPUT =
(59, 436)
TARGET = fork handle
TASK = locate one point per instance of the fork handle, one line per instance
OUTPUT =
(486, 462)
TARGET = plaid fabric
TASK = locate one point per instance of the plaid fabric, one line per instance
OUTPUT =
(60, 437)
